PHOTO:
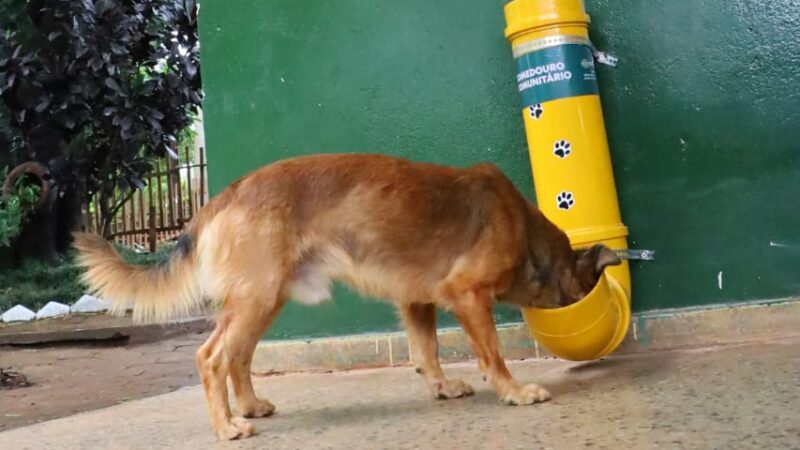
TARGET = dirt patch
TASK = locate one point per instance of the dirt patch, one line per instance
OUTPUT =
(71, 377)
(12, 380)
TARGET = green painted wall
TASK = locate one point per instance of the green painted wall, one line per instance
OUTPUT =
(703, 119)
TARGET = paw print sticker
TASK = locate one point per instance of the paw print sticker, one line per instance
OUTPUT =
(536, 111)
(562, 149)
(565, 200)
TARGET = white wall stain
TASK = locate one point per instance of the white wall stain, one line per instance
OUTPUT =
(391, 352)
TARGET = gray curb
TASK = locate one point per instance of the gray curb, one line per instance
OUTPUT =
(649, 331)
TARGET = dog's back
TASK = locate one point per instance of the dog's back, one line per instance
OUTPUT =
(391, 228)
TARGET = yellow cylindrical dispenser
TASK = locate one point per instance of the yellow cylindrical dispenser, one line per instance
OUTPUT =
(569, 154)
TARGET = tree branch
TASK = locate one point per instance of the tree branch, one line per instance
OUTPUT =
(108, 215)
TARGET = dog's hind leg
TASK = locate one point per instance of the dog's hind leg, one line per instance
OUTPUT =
(212, 364)
(420, 323)
(229, 351)
(241, 340)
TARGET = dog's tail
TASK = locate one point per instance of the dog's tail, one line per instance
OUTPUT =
(158, 293)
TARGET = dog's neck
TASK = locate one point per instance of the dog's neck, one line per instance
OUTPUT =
(547, 243)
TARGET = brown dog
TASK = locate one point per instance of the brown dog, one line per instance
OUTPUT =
(418, 235)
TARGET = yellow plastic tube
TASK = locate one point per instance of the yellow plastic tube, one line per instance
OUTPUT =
(567, 142)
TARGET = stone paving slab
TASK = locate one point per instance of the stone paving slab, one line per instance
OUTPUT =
(745, 396)
(89, 327)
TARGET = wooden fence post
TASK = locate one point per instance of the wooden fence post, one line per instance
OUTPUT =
(152, 236)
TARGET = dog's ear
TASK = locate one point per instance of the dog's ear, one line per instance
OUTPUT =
(595, 259)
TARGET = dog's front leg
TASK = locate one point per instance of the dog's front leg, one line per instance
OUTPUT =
(420, 322)
(474, 311)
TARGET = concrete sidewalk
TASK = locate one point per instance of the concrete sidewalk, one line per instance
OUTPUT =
(723, 397)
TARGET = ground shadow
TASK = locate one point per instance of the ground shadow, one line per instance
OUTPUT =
(601, 372)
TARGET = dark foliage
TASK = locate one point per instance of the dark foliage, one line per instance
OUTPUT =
(95, 90)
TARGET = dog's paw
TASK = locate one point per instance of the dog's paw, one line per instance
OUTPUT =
(261, 408)
(454, 388)
(525, 395)
(236, 428)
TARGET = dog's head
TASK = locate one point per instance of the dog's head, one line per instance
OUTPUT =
(589, 266)
(566, 280)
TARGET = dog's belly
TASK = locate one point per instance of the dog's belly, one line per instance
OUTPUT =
(315, 271)
(310, 284)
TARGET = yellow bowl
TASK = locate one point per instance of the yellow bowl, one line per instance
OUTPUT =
(589, 329)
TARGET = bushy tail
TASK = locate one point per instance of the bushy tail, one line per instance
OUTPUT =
(158, 293)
